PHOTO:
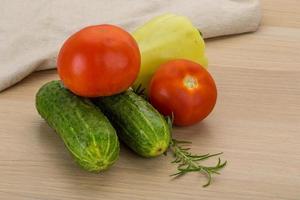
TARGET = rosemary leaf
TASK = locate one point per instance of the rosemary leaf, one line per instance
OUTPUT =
(188, 162)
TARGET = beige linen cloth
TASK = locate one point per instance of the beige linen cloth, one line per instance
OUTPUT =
(32, 31)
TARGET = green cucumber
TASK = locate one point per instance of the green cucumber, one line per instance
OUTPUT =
(138, 124)
(86, 132)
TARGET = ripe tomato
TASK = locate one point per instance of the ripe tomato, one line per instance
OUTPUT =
(99, 60)
(184, 88)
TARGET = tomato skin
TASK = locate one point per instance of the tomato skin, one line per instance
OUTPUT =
(184, 88)
(99, 60)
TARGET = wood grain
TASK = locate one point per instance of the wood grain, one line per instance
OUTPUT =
(256, 123)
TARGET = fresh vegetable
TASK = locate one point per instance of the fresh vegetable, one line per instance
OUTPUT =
(103, 61)
(185, 89)
(85, 131)
(137, 123)
(165, 38)
(99, 60)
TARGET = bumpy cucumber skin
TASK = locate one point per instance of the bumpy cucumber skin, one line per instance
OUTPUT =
(138, 124)
(86, 132)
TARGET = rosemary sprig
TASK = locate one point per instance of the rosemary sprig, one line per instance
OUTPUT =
(188, 162)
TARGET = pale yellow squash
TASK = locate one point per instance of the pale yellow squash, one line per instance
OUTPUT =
(165, 38)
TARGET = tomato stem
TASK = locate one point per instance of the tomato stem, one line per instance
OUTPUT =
(190, 82)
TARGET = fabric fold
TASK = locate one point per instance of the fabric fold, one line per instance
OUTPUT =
(31, 33)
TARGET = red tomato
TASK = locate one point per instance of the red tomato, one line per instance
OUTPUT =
(99, 60)
(184, 88)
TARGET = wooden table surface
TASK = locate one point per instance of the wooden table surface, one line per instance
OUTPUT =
(256, 123)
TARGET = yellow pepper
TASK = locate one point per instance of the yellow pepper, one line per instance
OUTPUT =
(165, 38)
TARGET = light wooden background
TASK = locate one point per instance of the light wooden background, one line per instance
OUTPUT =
(256, 123)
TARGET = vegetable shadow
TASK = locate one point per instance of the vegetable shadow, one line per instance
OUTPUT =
(192, 133)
